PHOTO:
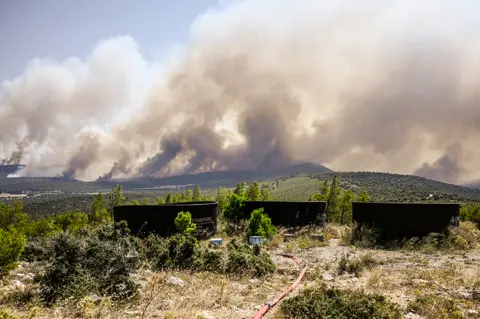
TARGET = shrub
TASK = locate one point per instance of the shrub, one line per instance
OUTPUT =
(234, 209)
(80, 266)
(242, 259)
(260, 225)
(431, 306)
(361, 236)
(323, 302)
(356, 265)
(37, 249)
(183, 223)
(471, 213)
(12, 244)
(99, 213)
(73, 222)
(182, 251)
(42, 227)
(175, 252)
(12, 216)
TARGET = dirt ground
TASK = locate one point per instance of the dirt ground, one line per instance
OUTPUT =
(398, 274)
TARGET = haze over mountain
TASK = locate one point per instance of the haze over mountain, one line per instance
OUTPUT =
(369, 85)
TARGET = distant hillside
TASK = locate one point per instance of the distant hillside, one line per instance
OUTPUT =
(45, 184)
(221, 178)
(205, 180)
(396, 187)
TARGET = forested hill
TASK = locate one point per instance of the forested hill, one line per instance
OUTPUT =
(396, 187)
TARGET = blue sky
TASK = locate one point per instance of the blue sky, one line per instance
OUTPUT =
(62, 28)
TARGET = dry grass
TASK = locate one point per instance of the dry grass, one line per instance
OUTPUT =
(301, 243)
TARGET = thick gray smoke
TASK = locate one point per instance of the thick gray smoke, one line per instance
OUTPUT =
(354, 85)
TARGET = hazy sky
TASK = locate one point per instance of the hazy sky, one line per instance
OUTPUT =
(62, 28)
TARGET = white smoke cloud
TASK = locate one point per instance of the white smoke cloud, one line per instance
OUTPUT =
(370, 85)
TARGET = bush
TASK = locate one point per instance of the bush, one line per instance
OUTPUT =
(356, 265)
(471, 213)
(431, 306)
(177, 251)
(42, 227)
(234, 209)
(12, 216)
(243, 259)
(73, 222)
(183, 223)
(12, 244)
(183, 252)
(81, 266)
(323, 302)
(260, 225)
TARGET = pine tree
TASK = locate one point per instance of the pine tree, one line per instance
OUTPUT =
(346, 206)
(115, 198)
(253, 192)
(197, 196)
(222, 199)
(363, 197)
(159, 201)
(169, 198)
(187, 195)
(265, 194)
(332, 201)
(240, 189)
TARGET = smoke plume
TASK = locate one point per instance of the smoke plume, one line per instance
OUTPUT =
(354, 85)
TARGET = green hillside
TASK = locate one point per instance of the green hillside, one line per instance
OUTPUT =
(398, 188)
(380, 186)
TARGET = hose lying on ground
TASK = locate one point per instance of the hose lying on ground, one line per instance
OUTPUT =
(271, 304)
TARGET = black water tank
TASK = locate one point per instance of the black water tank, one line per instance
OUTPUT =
(406, 220)
(160, 219)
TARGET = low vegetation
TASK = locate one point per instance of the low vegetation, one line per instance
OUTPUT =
(325, 302)
(356, 264)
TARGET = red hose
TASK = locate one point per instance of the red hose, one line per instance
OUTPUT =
(271, 304)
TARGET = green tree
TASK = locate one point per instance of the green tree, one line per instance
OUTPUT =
(234, 209)
(332, 201)
(183, 223)
(98, 213)
(253, 191)
(159, 201)
(12, 216)
(12, 244)
(346, 206)
(240, 189)
(73, 222)
(363, 197)
(197, 195)
(169, 198)
(187, 195)
(264, 194)
(324, 192)
(144, 201)
(222, 199)
(115, 198)
(260, 225)
(42, 227)
(177, 198)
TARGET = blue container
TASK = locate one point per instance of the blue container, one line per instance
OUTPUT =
(255, 240)
(215, 242)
